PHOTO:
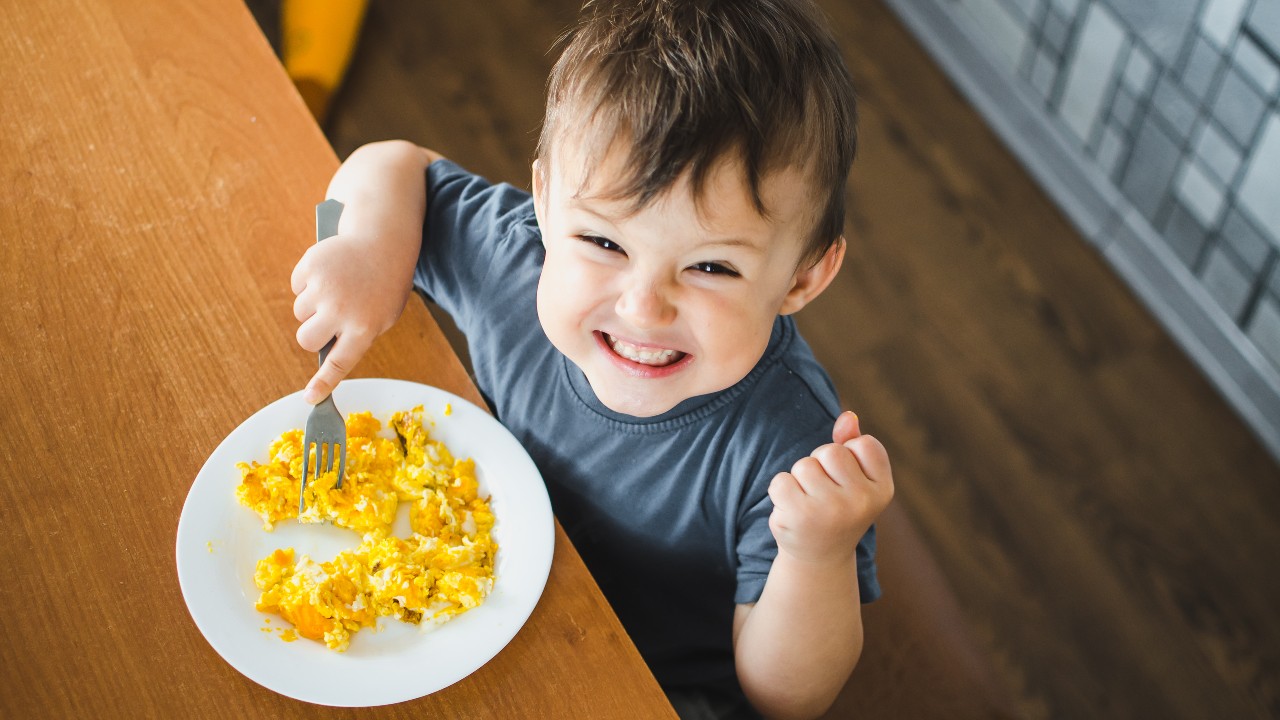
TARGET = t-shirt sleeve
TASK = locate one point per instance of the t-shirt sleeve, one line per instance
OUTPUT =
(465, 236)
(757, 550)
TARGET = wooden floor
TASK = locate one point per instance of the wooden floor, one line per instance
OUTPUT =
(1101, 515)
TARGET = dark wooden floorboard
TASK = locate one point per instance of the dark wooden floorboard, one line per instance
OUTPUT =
(1103, 518)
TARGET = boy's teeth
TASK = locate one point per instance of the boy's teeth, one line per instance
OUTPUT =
(644, 357)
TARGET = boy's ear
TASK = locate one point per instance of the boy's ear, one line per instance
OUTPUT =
(537, 190)
(810, 281)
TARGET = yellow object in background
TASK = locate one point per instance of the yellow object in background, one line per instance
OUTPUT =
(318, 39)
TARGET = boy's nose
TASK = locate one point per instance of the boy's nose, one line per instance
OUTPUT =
(645, 304)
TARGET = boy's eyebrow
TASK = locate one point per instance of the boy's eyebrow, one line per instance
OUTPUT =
(578, 202)
(585, 205)
(733, 241)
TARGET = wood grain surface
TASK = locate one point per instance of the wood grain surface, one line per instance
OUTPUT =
(159, 176)
(1083, 528)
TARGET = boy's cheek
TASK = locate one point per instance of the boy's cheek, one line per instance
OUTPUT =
(571, 279)
(564, 299)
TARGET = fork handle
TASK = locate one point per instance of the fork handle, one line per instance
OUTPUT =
(327, 215)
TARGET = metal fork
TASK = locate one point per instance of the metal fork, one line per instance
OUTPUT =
(325, 427)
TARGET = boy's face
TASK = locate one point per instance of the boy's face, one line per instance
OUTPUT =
(678, 299)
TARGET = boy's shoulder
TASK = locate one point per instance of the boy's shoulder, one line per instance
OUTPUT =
(791, 404)
(793, 382)
(463, 202)
(481, 248)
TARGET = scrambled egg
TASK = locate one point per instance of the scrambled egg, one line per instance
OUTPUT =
(443, 568)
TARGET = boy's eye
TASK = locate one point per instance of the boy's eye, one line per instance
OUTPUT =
(603, 243)
(712, 268)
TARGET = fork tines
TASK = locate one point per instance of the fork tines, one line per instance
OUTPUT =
(327, 455)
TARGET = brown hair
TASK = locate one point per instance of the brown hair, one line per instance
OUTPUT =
(686, 83)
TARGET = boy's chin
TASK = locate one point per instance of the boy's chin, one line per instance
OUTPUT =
(641, 406)
(639, 402)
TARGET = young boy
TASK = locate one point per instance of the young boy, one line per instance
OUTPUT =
(629, 322)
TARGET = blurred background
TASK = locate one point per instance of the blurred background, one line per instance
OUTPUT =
(1060, 311)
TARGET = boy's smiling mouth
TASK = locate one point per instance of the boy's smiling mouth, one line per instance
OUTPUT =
(649, 361)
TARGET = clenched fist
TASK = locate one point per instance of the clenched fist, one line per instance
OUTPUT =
(829, 500)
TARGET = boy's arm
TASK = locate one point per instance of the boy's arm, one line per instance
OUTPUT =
(795, 648)
(354, 286)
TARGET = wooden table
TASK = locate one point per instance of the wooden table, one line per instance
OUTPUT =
(159, 175)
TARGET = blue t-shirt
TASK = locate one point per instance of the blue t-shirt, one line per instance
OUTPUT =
(670, 513)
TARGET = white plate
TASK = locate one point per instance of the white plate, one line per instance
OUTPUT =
(220, 541)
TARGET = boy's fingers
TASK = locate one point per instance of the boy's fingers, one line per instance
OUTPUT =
(846, 428)
(783, 488)
(812, 477)
(303, 307)
(337, 365)
(838, 462)
(872, 457)
(318, 388)
(314, 332)
(298, 279)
